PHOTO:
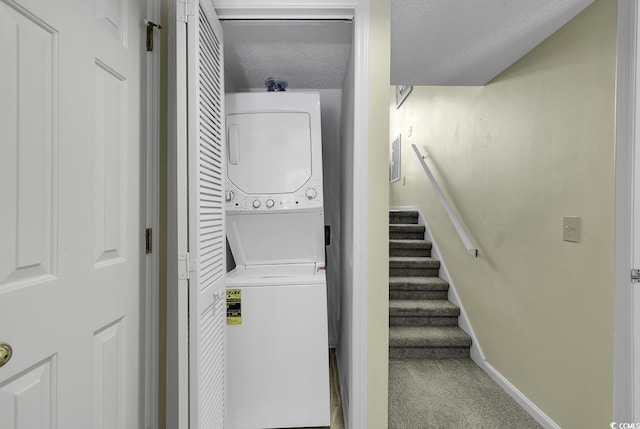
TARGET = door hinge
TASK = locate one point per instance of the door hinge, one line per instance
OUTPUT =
(186, 265)
(185, 8)
(183, 266)
(150, 27)
(148, 240)
(635, 275)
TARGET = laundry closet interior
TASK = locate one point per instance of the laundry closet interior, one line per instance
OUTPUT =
(312, 56)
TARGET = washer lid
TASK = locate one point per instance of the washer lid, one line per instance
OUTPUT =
(270, 152)
(277, 238)
(285, 274)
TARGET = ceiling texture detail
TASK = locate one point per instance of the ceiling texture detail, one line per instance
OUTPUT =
(309, 55)
(463, 42)
(433, 42)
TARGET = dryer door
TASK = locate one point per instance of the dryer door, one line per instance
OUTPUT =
(269, 153)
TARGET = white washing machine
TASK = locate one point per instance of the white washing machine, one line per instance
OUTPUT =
(277, 364)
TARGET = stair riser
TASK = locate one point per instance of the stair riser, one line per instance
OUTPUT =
(428, 352)
(448, 341)
(422, 321)
(419, 329)
(406, 235)
(418, 294)
(409, 252)
(438, 309)
(421, 263)
(403, 217)
(413, 272)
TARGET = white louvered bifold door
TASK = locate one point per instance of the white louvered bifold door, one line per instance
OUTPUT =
(207, 251)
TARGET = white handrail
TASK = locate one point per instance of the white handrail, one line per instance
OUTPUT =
(471, 248)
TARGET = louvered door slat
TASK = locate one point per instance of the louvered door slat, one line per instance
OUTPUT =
(211, 193)
(207, 240)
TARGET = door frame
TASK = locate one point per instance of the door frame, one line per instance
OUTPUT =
(150, 299)
(358, 396)
(176, 406)
(356, 416)
(176, 335)
(626, 387)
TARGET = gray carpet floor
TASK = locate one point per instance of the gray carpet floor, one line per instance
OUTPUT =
(449, 393)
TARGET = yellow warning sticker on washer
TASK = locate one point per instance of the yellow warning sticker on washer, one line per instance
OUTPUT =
(234, 307)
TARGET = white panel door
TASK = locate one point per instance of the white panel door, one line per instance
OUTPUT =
(204, 246)
(70, 216)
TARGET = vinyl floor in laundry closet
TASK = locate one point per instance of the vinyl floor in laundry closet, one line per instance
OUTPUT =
(337, 421)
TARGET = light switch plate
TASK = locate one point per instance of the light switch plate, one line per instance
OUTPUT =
(571, 229)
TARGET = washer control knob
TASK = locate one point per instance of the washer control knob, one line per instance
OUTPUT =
(270, 203)
(256, 204)
(229, 196)
(311, 193)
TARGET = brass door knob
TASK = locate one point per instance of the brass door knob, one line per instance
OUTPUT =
(5, 353)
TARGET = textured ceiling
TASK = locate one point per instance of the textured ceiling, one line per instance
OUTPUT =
(461, 42)
(433, 42)
(309, 55)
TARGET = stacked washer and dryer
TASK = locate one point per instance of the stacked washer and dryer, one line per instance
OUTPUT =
(277, 361)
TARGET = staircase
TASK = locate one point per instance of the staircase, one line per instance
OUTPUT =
(422, 322)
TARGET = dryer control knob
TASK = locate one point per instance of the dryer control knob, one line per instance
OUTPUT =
(311, 193)
(256, 204)
(229, 196)
(270, 203)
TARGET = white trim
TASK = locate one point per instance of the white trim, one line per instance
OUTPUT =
(177, 394)
(284, 9)
(359, 395)
(544, 420)
(283, 4)
(280, 14)
(182, 217)
(242, 6)
(626, 140)
(152, 217)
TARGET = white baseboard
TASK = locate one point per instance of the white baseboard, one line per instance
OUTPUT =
(476, 351)
(535, 412)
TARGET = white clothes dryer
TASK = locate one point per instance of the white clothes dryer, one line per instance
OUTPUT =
(277, 363)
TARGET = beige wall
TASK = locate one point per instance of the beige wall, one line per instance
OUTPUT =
(515, 156)
(378, 222)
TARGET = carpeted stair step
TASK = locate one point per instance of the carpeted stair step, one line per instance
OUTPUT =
(422, 322)
(423, 313)
(403, 217)
(428, 342)
(409, 266)
(406, 232)
(410, 248)
(418, 288)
